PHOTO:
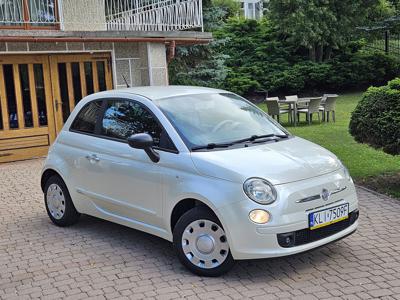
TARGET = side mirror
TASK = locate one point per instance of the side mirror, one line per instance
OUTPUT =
(145, 142)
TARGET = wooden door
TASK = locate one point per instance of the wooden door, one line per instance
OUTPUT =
(76, 76)
(26, 109)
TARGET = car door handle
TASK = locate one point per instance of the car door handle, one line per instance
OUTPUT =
(93, 157)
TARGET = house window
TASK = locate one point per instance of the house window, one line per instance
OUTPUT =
(28, 14)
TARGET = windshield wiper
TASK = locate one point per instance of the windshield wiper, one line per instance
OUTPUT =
(254, 138)
(212, 146)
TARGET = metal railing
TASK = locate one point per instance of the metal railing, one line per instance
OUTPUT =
(153, 15)
(381, 39)
(33, 12)
(132, 15)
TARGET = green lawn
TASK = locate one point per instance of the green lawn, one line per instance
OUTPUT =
(368, 166)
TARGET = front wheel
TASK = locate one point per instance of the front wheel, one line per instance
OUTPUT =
(201, 243)
(59, 206)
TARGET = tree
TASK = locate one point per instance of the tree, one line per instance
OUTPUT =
(203, 64)
(319, 25)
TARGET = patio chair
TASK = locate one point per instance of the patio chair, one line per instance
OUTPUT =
(292, 98)
(328, 106)
(275, 110)
(312, 108)
(324, 97)
(296, 98)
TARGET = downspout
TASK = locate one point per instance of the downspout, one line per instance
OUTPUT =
(171, 51)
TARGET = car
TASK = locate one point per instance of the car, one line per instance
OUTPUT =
(203, 168)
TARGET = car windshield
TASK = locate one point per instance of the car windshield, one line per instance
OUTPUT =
(218, 118)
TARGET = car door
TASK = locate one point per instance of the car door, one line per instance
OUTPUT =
(129, 184)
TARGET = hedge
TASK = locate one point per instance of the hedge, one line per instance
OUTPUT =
(376, 119)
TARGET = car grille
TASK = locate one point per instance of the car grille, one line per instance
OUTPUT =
(305, 236)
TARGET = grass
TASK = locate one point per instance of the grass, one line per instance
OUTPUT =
(368, 166)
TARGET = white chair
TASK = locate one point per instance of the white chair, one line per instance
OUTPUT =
(329, 105)
(275, 110)
(312, 108)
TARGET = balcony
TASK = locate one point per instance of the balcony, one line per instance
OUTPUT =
(102, 15)
(28, 13)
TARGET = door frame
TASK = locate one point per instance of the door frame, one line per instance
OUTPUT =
(15, 141)
(25, 143)
(81, 58)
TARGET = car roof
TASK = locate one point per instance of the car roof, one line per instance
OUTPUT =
(160, 92)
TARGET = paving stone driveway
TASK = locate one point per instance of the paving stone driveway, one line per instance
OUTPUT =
(103, 260)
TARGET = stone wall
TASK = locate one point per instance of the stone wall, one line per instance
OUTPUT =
(140, 63)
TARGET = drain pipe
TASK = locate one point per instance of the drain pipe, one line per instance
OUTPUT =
(171, 51)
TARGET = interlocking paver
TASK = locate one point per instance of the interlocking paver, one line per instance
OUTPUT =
(98, 259)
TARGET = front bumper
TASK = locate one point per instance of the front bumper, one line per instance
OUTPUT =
(289, 218)
(306, 236)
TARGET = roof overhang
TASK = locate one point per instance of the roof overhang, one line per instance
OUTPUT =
(54, 36)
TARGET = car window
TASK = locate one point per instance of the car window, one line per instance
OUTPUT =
(86, 119)
(123, 118)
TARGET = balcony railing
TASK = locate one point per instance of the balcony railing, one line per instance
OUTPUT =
(153, 15)
(19, 13)
(131, 15)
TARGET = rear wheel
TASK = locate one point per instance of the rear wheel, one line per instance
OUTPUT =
(58, 203)
(201, 243)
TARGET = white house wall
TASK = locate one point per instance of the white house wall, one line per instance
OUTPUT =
(87, 15)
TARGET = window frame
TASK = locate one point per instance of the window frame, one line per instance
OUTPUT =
(97, 119)
(26, 22)
(97, 131)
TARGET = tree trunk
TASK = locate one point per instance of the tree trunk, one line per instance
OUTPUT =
(311, 52)
(320, 53)
(328, 53)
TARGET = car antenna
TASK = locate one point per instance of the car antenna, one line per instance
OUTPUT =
(126, 81)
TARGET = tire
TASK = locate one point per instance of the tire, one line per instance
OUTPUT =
(58, 202)
(201, 243)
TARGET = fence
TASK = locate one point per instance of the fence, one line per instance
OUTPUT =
(383, 41)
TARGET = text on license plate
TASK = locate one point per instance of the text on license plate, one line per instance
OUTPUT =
(328, 216)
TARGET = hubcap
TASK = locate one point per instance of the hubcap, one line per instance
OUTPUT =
(55, 201)
(204, 244)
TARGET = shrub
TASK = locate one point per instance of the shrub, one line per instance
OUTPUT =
(241, 85)
(249, 55)
(362, 69)
(376, 119)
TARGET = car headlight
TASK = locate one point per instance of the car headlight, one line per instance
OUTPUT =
(346, 172)
(259, 190)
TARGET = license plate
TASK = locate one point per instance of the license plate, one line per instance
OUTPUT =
(328, 216)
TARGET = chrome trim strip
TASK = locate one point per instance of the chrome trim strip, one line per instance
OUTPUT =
(338, 190)
(325, 205)
(316, 197)
(311, 198)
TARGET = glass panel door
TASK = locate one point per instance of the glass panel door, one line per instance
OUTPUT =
(77, 76)
(40, 94)
(9, 94)
(26, 109)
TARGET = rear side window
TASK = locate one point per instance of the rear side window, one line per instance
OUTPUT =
(86, 119)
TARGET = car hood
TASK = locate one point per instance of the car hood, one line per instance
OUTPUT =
(281, 162)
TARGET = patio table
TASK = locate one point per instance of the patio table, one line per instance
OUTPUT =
(293, 103)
